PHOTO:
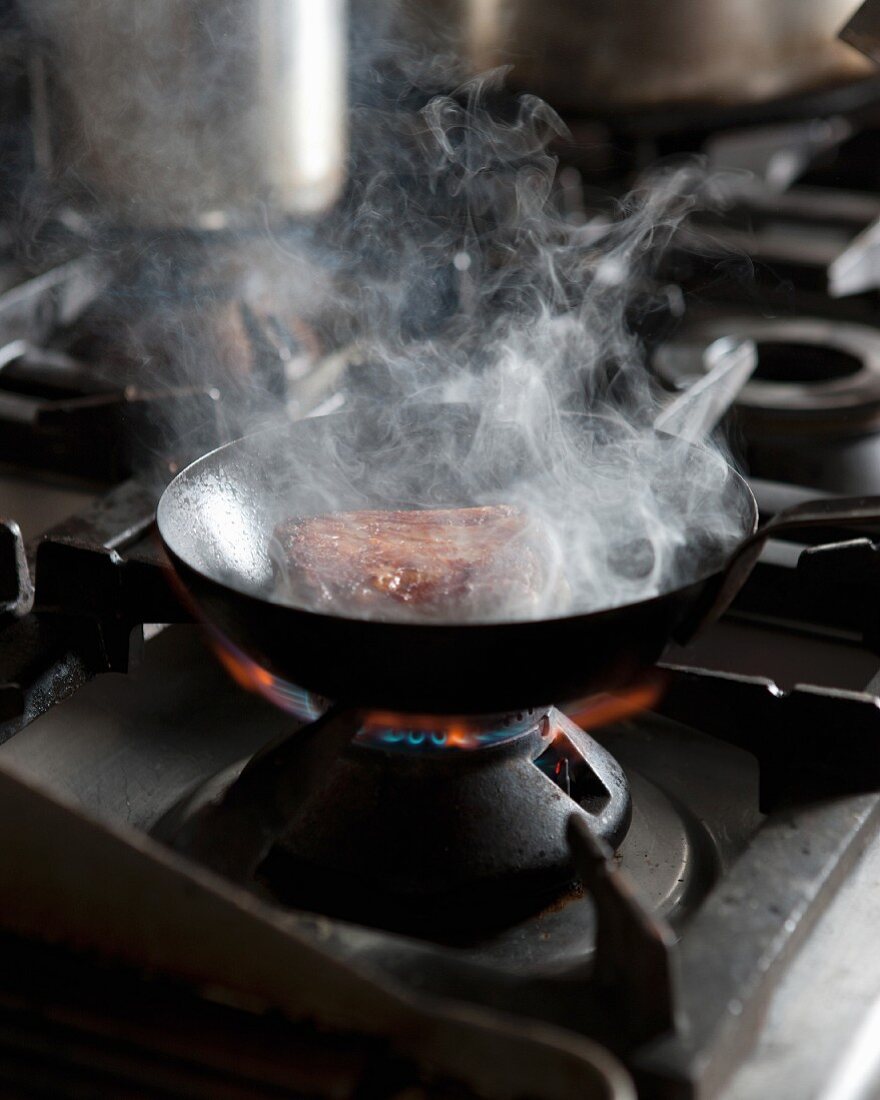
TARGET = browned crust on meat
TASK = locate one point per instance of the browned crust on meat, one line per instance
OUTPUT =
(454, 563)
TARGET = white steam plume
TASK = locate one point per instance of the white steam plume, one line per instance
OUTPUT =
(471, 287)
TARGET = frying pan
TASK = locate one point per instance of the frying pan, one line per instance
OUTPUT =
(216, 518)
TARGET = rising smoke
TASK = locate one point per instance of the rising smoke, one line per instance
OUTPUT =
(492, 354)
(473, 290)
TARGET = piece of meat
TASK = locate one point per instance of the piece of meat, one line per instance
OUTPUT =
(453, 565)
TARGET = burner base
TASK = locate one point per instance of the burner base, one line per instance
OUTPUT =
(416, 839)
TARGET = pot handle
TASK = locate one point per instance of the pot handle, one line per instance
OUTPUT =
(839, 512)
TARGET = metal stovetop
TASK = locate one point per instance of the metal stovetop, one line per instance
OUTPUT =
(730, 951)
(124, 748)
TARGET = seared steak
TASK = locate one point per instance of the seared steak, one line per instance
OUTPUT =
(454, 564)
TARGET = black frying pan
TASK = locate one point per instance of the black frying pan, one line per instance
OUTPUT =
(217, 516)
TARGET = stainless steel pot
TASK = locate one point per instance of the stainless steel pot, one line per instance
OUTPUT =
(192, 112)
(589, 55)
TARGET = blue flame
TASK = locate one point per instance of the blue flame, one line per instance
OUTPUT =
(421, 740)
(296, 700)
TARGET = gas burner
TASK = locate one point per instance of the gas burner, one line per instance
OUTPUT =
(811, 412)
(390, 824)
(467, 849)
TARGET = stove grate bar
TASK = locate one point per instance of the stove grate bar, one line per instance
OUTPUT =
(811, 743)
(746, 934)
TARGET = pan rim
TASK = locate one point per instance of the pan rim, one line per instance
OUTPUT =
(241, 590)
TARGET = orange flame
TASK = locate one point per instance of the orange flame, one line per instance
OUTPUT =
(454, 731)
(609, 707)
(244, 672)
(253, 677)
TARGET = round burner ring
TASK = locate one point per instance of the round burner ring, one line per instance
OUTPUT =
(408, 838)
(834, 389)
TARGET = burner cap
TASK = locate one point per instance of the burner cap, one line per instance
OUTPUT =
(814, 376)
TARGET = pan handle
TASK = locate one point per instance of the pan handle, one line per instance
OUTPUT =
(837, 512)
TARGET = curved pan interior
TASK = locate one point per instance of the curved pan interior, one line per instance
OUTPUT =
(217, 517)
